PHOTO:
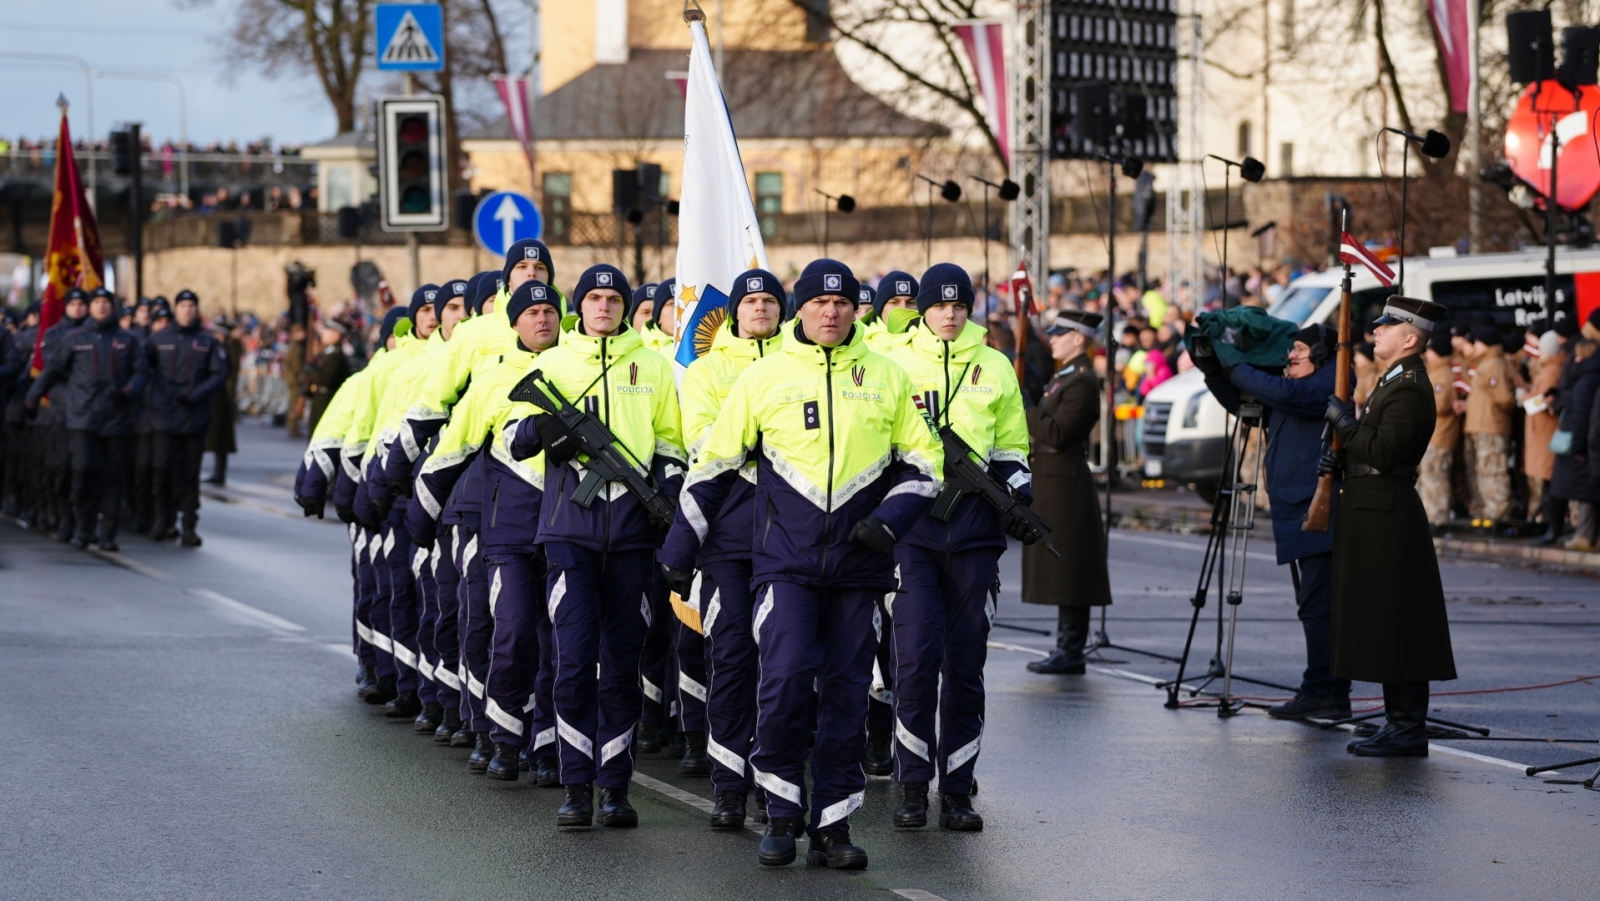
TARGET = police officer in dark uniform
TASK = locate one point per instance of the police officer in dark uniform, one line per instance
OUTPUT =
(19, 484)
(53, 482)
(1064, 494)
(328, 371)
(187, 367)
(105, 371)
(1389, 622)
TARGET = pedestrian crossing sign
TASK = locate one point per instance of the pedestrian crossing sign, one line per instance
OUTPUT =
(410, 37)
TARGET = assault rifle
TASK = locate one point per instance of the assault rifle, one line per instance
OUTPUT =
(609, 460)
(964, 475)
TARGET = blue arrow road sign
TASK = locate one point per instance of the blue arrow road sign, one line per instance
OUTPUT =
(504, 218)
(410, 37)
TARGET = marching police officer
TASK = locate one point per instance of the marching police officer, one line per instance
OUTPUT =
(519, 647)
(721, 592)
(845, 466)
(949, 563)
(187, 365)
(53, 484)
(105, 371)
(1389, 622)
(600, 554)
(1064, 495)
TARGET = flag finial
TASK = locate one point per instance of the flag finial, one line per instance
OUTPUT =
(692, 11)
(61, 102)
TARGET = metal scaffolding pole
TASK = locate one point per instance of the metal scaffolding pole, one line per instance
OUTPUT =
(1030, 137)
(1186, 199)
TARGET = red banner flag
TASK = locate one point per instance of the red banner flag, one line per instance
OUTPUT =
(985, 41)
(1353, 252)
(73, 259)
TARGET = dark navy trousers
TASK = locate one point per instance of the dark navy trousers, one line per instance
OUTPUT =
(379, 542)
(427, 622)
(820, 637)
(942, 615)
(447, 671)
(475, 627)
(727, 608)
(657, 674)
(600, 613)
(404, 611)
(520, 644)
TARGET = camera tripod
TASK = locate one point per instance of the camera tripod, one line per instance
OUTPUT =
(1233, 515)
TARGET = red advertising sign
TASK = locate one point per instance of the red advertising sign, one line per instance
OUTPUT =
(1546, 115)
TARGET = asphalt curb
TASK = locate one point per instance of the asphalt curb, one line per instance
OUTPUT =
(1132, 514)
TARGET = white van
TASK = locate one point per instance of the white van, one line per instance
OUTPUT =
(1185, 428)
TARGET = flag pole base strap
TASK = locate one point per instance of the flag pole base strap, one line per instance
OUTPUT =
(692, 11)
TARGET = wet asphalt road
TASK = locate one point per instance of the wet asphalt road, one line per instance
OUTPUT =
(187, 728)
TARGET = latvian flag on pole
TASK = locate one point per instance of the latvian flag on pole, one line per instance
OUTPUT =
(1351, 251)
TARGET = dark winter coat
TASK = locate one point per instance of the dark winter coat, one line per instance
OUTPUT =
(1575, 477)
(1389, 622)
(219, 434)
(1294, 445)
(187, 367)
(105, 371)
(1064, 494)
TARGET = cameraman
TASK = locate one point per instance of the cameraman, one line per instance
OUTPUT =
(1294, 403)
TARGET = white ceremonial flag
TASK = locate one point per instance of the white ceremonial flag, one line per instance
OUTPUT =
(718, 233)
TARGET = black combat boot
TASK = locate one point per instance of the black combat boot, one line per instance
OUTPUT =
(1301, 706)
(429, 719)
(648, 739)
(384, 692)
(679, 745)
(578, 810)
(366, 682)
(463, 737)
(760, 816)
(406, 705)
(108, 537)
(831, 848)
(695, 762)
(448, 728)
(503, 765)
(615, 811)
(956, 813)
(545, 773)
(777, 846)
(880, 755)
(729, 812)
(913, 810)
(1406, 732)
(522, 760)
(482, 753)
(190, 538)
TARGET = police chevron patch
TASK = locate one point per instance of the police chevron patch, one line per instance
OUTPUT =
(858, 374)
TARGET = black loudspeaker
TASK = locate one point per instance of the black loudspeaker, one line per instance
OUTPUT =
(464, 203)
(1134, 117)
(1528, 47)
(1579, 48)
(624, 190)
(228, 233)
(650, 182)
(1144, 202)
(349, 222)
(1091, 119)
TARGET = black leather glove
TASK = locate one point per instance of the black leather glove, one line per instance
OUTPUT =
(1332, 463)
(30, 411)
(1341, 414)
(381, 505)
(402, 488)
(346, 515)
(310, 507)
(680, 581)
(426, 542)
(872, 533)
(555, 438)
(1019, 530)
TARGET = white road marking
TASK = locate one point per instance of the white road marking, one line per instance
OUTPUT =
(1519, 767)
(130, 563)
(1005, 646)
(341, 650)
(1164, 542)
(693, 800)
(261, 617)
(916, 894)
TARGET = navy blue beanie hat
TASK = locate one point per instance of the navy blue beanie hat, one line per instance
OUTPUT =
(603, 275)
(663, 297)
(422, 297)
(456, 287)
(640, 295)
(528, 249)
(33, 309)
(391, 320)
(825, 277)
(944, 283)
(895, 284)
(531, 293)
(756, 281)
(474, 293)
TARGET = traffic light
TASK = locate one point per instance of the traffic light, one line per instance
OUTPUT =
(124, 150)
(412, 178)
